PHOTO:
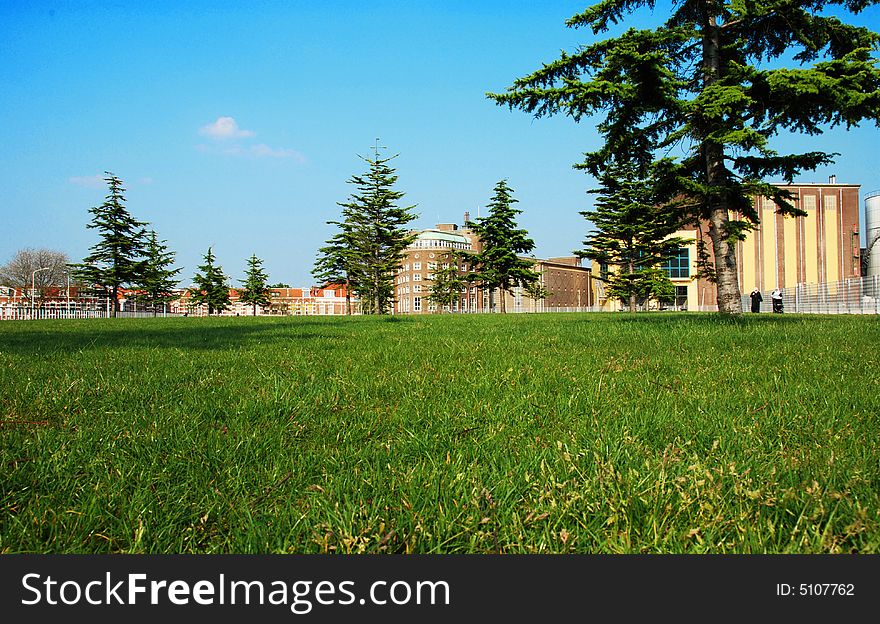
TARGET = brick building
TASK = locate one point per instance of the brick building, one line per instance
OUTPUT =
(569, 283)
(284, 301)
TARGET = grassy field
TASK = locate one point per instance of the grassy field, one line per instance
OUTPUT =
(588, 433)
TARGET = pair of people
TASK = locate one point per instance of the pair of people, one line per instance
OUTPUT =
(775, 297)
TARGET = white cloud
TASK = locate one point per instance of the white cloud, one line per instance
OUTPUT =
(264, 151)
(225, 128)
(95, 181)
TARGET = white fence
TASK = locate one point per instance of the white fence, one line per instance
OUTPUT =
(858, 295)
(17, 313)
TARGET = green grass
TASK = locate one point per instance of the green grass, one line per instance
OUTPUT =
(590, 433)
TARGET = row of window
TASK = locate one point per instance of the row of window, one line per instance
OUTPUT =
(426, 243)
(432, 266)
(676, 267)
(415, 304)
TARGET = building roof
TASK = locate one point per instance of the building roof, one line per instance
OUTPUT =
(442, 236)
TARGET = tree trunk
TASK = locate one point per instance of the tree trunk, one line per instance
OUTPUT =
(114, 308)
(727, 285)
(632, 293)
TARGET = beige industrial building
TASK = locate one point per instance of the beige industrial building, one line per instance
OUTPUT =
(783, 252)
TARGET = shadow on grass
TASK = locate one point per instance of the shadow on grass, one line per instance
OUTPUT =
(34, 337)
(707, 319)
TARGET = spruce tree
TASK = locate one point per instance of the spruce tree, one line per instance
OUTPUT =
(158, 282)
(498, 265)
(337, 261)
(375, 235)
(633, 236)
(117, 260)
(256, 290)
(210, 287)
(707, 79)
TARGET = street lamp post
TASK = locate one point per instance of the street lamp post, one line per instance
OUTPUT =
(67, 310)
(33, 285)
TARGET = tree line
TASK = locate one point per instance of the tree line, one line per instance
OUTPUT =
(129, 255)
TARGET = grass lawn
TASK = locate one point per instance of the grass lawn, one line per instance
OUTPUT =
(590, 433)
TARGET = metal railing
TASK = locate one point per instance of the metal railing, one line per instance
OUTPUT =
(22, 313)
(857, 295)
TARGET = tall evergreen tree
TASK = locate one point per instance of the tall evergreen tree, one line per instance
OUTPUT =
(336, 262)
(158, 281)
(498, 265)
(210, 287)
(117, 260)
(702, 79)
(633, 235)
(256, 290)
(374, 230)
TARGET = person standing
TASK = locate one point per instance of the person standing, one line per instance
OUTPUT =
(757, 298)
(776, 297)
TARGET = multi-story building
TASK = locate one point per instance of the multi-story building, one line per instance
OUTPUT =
(284, 301)
(821, 247)
(569, 283)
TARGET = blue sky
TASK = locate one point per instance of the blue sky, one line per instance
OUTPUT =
(236, 125)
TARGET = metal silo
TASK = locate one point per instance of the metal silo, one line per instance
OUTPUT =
(872, 231)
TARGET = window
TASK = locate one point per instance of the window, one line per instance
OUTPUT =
(417, 266)
(417, 277)
(417, 288)
(678, 265)
(679, 301)
(417, 304)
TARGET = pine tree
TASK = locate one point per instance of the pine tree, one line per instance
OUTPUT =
(255, 291)
(702, 80)
(336, 262)
(157, 283)
(210, 287)
(498, 265)
(633, 235)
(370, 248)
(117, 260)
